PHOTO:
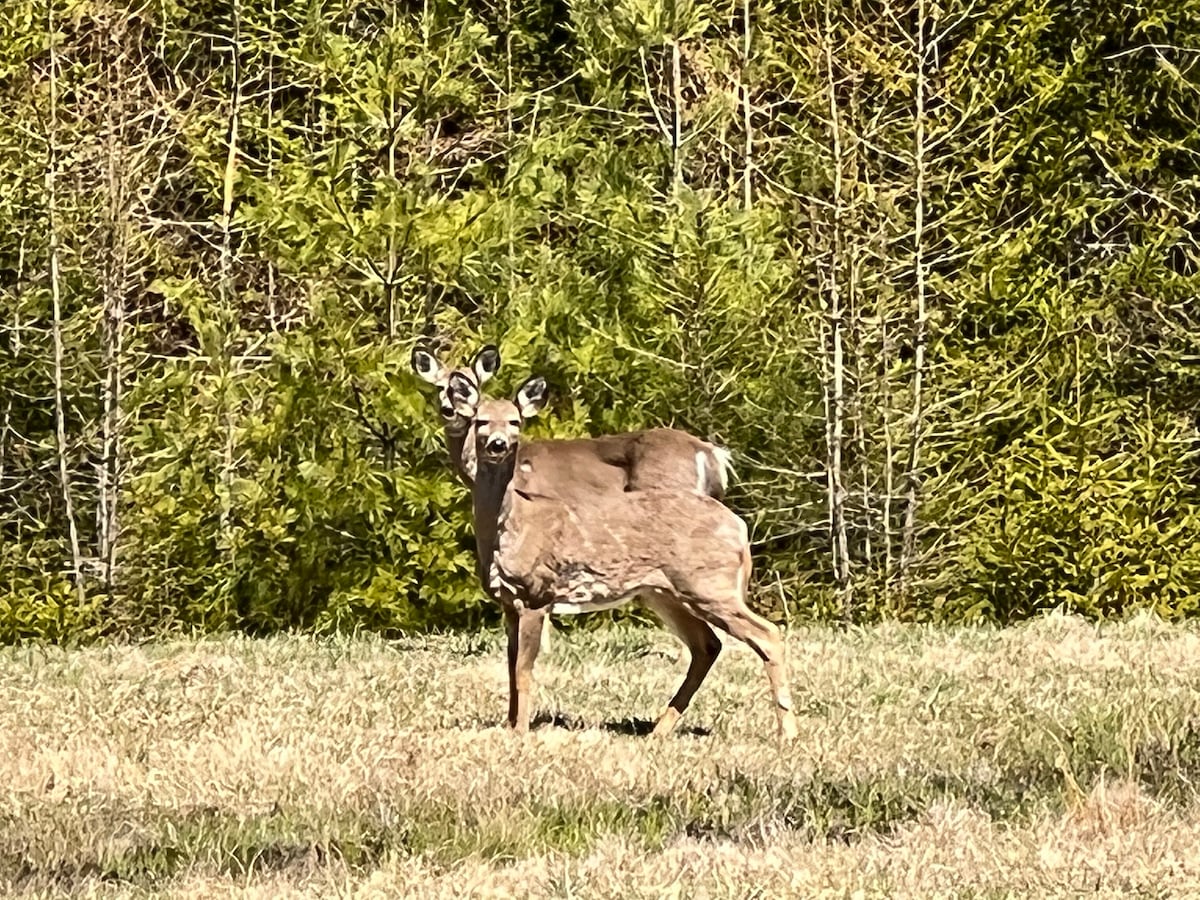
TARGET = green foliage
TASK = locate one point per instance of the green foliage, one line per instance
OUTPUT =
(44, 609)
(570, 181)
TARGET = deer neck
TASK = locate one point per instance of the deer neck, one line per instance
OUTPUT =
(488, 494)
(461, 447)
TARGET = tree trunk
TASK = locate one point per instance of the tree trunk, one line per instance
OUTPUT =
(228, 295)
(113, 281)
(676, 119)
(6, 428)
(272, 287)
(835, 385)
(747, 124)
(389, 284)
(916, 411)
(889, 472)
(60, 414)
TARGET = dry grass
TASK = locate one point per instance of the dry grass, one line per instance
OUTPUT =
(1053, 759)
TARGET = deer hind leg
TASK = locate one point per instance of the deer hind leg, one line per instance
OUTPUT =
(524, 629)
(764, 638)
(732, 615)
(703, 648)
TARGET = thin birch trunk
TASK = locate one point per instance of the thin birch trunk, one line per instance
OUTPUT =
(676, 106)
(389, 286)
(230, 172)
(889, 478)
(114, 280)
(227, 286)
(509, 131)
(747, 124)
(916, 413)
(835, 388)
(272, 288)
(6, 429)
(60, 414)
(393, 257)
(508, 68)
(858, 425)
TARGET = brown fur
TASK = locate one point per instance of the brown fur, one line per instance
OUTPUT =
(621, 546)
(684, 553)
(567, 468)
(657, 458)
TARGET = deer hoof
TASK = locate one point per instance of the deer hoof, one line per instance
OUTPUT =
(666, 723)
(789, 728)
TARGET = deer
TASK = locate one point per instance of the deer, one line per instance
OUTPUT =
(580, 467)
(575, 469)
(682, 552)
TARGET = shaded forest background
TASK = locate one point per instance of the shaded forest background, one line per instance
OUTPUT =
(929, 269)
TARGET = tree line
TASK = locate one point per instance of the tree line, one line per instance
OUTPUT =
(929, 270)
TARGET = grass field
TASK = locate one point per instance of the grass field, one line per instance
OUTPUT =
(1052, 759)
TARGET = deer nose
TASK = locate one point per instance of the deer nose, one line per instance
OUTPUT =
(496, 444)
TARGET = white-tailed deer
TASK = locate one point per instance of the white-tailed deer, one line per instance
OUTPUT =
(661, 458)
(683, 553)
(574, 470)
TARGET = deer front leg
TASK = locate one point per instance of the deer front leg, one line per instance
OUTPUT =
(524, 628)
(512, 629)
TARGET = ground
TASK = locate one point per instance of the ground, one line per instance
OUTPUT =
(1052, 759)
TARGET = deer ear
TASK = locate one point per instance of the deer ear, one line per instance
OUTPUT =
(463, 394)
(486, 363)
(427, 366)
(532, 396)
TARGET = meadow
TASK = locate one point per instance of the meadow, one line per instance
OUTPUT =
(1054, 758)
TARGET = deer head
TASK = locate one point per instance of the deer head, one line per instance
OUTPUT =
(429, 368)
(497, 422)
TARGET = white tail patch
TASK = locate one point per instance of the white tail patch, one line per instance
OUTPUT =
(724, 460)
(716, 456)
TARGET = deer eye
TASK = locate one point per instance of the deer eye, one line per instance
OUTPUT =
(515, 423)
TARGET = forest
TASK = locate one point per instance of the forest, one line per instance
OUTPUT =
(928, 269)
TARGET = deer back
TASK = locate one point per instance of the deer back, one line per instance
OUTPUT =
(657, 458)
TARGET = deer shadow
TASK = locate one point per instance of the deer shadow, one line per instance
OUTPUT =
(631, 727)
(634, 727)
